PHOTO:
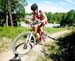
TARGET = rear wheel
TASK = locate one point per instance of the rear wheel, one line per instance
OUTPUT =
(22, 45)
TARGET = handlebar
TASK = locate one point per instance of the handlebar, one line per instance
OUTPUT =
(35, 23)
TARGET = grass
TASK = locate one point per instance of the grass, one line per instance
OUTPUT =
(43, 58)
(12, 32)
(61, 50)
(7, 34)
(53, 30)
(50, 48)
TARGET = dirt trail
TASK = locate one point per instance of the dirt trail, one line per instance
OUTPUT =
(36, 51)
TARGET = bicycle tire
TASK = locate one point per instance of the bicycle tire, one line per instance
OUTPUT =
(15, 46)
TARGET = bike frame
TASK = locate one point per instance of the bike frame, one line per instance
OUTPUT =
(29, 38)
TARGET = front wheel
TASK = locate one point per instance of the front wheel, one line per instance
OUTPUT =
(22, 43)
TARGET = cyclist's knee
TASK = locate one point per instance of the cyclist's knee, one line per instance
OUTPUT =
(38, 37)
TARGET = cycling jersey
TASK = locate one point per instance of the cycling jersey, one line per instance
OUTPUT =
(40, 16)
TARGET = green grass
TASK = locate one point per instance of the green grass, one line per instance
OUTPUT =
(53, 30)
(50, 48)
(54, 50)
(12, 32)
(43, 58)
(7, 34)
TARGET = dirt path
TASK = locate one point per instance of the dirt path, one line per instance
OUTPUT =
(36, 51)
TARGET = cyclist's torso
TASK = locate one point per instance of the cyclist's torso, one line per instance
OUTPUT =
(39, 16)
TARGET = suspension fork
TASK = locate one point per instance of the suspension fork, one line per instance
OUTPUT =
(28, 39)
(31, 35)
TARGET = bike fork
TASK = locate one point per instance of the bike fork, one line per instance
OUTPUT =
(26, 42)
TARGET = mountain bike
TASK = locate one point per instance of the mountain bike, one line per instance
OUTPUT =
(25, 41)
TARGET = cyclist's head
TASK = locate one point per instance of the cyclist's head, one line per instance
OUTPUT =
(34, 7)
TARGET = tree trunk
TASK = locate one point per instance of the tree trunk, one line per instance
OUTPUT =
(10, 14)
(6, 20)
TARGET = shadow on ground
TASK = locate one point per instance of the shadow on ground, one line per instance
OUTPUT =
(65, 51)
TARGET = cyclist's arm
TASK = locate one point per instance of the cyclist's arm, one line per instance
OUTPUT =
(45, 18)
(33, 18)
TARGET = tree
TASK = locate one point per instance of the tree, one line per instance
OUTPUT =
(58, 17)
(10, 13)
(49, 15)
(9, 8)
(63, 21)
(70, 17)
(3, 10)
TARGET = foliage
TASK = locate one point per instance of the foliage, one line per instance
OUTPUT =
(17, 8)
(49, 16)
(54, 17)
(62, 18)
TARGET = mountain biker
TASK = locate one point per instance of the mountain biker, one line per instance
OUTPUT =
(40, 16)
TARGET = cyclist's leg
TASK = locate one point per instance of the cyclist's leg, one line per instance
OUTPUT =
(41, 26)
(41, 29)
(38, 37)
(36, 32)
(34, 29)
